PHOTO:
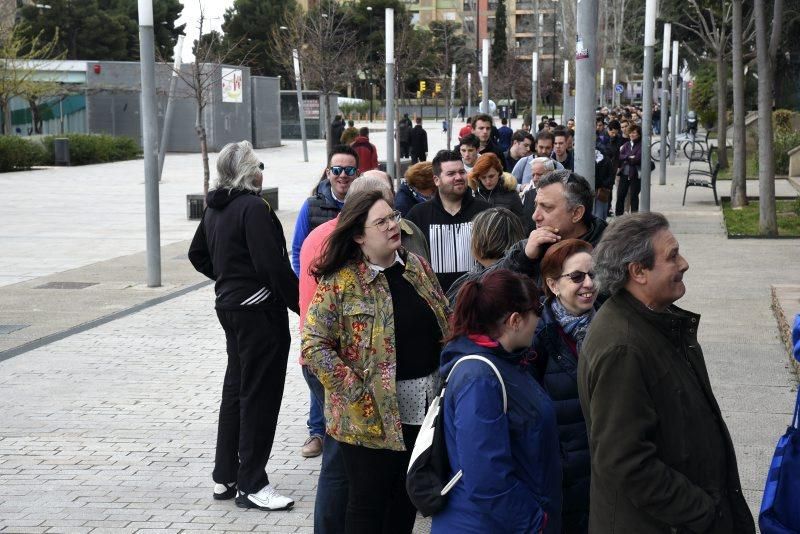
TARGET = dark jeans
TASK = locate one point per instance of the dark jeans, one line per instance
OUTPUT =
(258, 349)
(316, 412)
(332, 490)
(378, 500)
(331, 501)
(417, 157)
(634, 185)
(405, 150)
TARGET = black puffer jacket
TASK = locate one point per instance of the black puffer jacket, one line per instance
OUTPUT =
(556, 369)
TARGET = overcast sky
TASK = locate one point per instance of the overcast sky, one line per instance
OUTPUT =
(213, 10)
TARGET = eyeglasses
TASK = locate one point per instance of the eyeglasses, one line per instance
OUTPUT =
(261, 165)
(336, 170)
(577, 277)
(383, 223)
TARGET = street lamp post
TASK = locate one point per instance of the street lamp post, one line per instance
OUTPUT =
(662, 162)
(647, 98)
(390, 92)
(150, 142)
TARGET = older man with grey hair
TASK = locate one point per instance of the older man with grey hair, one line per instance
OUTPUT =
(662, 457)
(240, 245)
(563, 210)
(539, 167)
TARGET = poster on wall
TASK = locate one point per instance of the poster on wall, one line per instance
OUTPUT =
(311, 108)
(231, 85)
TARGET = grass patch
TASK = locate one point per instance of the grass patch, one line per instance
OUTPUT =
(744, 222)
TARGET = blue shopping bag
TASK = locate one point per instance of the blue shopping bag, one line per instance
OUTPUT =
(780, 508)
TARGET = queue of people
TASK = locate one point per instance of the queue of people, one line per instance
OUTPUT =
(596, 414)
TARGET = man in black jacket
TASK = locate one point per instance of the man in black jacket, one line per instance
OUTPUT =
(419, 142)
(446, 219)
(482, 128)
(662, 458)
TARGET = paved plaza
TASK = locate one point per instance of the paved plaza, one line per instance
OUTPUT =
(111, 426)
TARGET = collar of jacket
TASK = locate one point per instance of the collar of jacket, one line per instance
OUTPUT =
(368, 276)
(674, 323)
(405, 227)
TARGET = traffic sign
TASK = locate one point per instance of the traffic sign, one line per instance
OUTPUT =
(618, 89)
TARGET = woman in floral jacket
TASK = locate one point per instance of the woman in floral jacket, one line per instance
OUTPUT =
(373, 338)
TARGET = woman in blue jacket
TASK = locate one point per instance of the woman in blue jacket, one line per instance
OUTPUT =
(568, 311)
(511, 467)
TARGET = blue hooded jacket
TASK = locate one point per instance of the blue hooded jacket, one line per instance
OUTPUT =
(511, 463)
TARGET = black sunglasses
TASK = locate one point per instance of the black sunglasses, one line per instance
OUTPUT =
(348, 171)
(577, 277)
(261, 165)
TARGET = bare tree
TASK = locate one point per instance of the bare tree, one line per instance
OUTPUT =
(767, 216)
(739, 177)
(328, 49)
(618, 12)
(210, 52)
(16, 70)
(711, 28)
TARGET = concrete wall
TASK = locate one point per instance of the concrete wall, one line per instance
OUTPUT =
(113, 106)
(266, 111)
(315, 114)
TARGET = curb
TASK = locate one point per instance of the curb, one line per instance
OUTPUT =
(785, 329)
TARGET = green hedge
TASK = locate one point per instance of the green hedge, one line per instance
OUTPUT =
(784, 142)
(18, 153)
(85, 149)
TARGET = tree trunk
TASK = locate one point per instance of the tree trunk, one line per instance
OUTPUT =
(201, 135)
(767, 218)
(739, 178)
(722, 107)
(6, 117)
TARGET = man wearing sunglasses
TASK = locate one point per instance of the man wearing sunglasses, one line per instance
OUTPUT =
(324, 205)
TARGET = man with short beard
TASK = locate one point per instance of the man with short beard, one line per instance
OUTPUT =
(544, 147)
(446, 219)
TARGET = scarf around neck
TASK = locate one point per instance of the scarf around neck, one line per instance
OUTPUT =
(575, 326)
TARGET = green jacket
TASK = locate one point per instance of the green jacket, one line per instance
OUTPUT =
(348, 342)
(662, 457)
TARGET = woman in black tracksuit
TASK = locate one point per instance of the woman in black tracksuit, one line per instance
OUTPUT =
(240, 245)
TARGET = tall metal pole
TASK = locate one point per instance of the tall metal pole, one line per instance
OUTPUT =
(534, 89)
(147, 65)
(674, 121)
(602, 87)
(614, 84)
(301, 111)
(565, 93)
(469, 94)
(586, 52)
(662, 160)
(162, 150)
(485, 76)
(390, 92)
(684, 107)
(647, 98)
(449, 110)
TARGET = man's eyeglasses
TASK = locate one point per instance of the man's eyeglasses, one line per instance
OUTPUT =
(577, 277)
(336, 170)
(383, 223)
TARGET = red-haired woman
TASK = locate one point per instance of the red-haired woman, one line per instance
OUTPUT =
(510, 462)
(488, 182)
(568, 311)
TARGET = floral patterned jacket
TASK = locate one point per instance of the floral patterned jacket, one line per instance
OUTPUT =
(348, 342)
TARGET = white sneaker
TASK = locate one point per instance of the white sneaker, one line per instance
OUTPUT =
(266, 499)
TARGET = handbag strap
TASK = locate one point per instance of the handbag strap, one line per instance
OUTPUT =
(496, 372)
(796, 418)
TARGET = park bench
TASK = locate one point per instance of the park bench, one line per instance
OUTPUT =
(700, 177)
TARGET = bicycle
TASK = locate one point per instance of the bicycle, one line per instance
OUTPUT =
(692, 148)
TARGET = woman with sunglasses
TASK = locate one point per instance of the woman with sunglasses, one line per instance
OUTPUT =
(240, 245)
(571, 293)
(373, 337)
(501, 436)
